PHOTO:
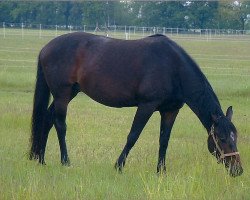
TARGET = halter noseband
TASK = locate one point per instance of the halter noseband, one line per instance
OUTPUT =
(222, 155)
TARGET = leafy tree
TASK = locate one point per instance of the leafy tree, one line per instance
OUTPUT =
(202, 14)
(160, 14)
(188, 14)
(76, 14)
(124, 13)
(94, 13)
(47, 13)
(233, 14)
(242, 9)
(5, 8)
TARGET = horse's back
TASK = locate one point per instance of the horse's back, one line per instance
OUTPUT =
(111, 71)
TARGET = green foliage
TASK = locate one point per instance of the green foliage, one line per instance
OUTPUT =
(182, 14)
(233, 15)
(202, 14)
(168, 14)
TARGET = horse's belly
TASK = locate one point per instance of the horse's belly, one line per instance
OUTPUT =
(114, 102)
(111, 98)
(113, 91)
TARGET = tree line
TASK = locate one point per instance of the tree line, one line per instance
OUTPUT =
(181, 14)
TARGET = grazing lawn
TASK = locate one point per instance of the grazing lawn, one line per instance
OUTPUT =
(96, 135)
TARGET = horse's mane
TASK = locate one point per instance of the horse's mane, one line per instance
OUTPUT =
(210, 104)
(205, 99)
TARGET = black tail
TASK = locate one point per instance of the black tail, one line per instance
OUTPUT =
(40, 105)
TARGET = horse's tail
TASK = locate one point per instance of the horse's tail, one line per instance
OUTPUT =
(40, 106)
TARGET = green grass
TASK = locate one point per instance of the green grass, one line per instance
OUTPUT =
(96, 135)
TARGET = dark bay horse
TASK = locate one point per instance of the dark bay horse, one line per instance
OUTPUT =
(153, 74)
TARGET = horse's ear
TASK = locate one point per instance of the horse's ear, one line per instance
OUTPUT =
(229, 113)
(215, 118)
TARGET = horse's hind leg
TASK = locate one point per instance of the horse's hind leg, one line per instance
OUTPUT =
(48, 123)
(60, 125)
(61, 104)
(143, 113)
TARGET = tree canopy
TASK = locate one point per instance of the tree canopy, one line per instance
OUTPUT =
(182, 14)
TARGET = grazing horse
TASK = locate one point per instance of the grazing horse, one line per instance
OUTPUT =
(153, 74)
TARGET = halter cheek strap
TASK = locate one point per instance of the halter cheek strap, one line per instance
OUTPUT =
(222, 155)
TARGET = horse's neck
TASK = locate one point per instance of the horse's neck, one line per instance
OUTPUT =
(204, 103)
(197, 91)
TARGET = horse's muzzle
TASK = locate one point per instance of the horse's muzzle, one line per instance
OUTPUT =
(235, 170)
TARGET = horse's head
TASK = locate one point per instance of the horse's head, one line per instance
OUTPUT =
(222, 142)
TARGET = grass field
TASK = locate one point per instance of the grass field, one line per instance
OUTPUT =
(96, 135)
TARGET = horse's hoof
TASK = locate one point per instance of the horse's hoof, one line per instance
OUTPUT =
(42, 162)
(65, 163)
(118, 168)
(33, 156)
(161, 170)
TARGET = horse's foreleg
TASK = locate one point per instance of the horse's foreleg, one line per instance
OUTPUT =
(48, 123)
(143, 113)
(167, 121)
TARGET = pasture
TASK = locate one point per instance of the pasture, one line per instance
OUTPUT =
(96, 135)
